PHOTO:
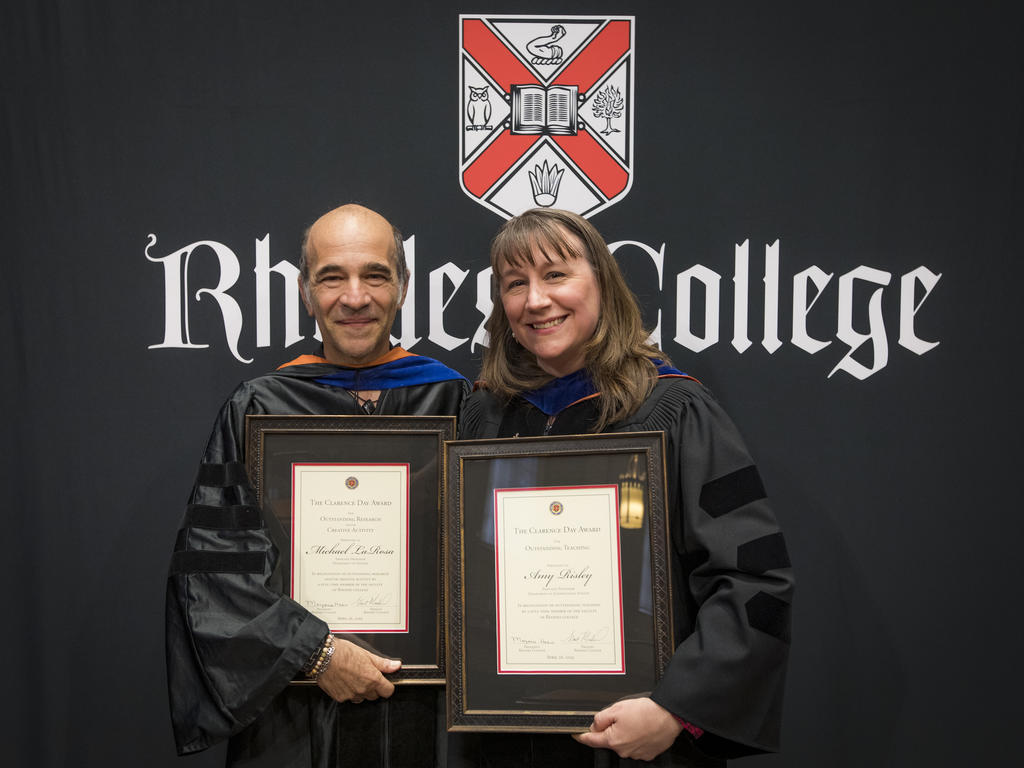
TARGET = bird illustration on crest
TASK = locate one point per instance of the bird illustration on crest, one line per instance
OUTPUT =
(478, 109)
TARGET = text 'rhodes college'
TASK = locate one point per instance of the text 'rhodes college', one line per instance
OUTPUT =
(853, 298)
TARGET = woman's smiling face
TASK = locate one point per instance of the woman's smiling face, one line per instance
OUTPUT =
(553, 306)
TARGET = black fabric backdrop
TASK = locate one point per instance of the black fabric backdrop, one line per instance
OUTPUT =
(877, 134)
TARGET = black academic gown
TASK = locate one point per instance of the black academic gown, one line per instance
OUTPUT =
(234, 642)
(732, 583)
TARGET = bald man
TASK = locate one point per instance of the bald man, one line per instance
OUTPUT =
(234, 642)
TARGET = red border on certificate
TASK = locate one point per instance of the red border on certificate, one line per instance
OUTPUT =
(405, 525)
(617, 598)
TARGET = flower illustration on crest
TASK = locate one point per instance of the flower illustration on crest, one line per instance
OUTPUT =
(556, 508)
(545, 180)
(351, 483)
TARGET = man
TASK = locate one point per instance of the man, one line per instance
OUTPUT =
(233, 640)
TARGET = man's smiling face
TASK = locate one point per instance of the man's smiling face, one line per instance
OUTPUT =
(354, 288)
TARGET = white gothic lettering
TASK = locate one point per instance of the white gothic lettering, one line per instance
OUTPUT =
(814, 290)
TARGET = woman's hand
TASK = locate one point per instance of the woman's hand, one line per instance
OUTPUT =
(633, 728)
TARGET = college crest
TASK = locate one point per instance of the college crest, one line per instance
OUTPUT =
(546, 111)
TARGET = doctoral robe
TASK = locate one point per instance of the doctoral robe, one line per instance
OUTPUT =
(732, 580)
(234, 641)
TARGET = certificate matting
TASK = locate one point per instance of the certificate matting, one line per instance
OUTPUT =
(480, 698)
(350, 544)
(558, 580)
(275, 443)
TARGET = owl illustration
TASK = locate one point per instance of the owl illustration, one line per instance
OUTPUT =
(478, 110)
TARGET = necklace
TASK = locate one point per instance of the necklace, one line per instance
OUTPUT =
(367, 404)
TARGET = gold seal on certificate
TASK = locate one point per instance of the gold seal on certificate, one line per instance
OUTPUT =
(350, 544)
(558, 580)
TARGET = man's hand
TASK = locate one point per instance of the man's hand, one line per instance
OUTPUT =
(635, 728)
(355, 674)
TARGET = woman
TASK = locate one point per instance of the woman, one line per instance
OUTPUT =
(568, 355)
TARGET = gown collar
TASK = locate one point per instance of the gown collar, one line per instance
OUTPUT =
(558, 394)
(397, 368)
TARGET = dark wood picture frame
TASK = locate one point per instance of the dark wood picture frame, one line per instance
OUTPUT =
(478, 697)
(275, 443)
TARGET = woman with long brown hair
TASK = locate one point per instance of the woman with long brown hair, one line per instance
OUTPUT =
(568, 354)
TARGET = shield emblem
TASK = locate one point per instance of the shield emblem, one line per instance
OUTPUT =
(546, 111)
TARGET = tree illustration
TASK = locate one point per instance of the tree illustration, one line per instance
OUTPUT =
(608, 104)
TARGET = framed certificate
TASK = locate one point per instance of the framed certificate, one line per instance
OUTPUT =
(558, 590)
(353, 504)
